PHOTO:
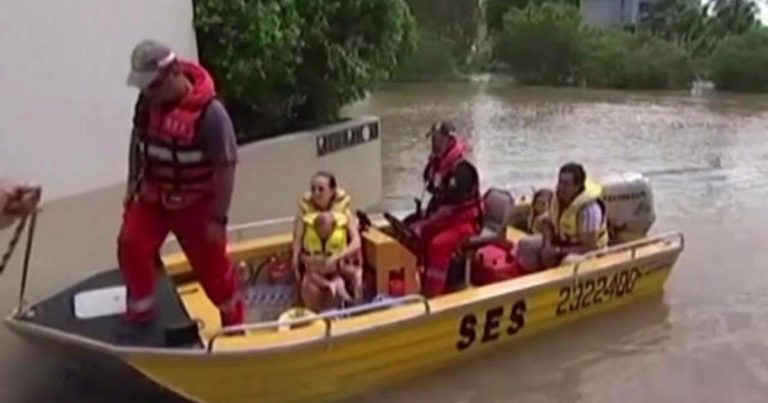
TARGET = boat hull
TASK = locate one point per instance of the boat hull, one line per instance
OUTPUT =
(337, 367)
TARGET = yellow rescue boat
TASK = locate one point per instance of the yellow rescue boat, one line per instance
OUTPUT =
(291, 355)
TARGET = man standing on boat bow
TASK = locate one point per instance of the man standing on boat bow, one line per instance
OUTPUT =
(454, 211)
(181, 174)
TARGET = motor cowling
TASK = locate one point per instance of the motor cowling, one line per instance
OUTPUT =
(630, 209)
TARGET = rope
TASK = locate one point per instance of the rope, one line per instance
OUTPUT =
(12, 243)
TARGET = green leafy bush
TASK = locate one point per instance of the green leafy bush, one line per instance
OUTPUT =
(431, 60)
(284, 65)
(740, 63)
(618, 59)
(541, 43)
(449, 23)
(251, 49)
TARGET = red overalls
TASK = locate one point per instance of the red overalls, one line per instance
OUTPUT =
(175, 195)
(443, 236)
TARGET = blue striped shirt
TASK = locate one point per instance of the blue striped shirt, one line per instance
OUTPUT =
(591, 217)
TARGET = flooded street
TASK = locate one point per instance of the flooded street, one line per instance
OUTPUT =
(703, 340)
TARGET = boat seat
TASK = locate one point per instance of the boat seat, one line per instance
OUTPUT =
(497, 210)
(497, 205)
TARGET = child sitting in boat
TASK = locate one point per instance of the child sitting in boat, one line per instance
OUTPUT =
(331, 261)
(541, 223)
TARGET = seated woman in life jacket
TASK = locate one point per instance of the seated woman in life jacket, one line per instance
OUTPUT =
(578, 217)
(454, 211)
(330, 246)
(324, 195)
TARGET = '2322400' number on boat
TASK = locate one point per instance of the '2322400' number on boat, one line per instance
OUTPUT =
(597, 290)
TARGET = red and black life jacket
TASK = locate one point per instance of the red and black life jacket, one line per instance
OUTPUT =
(176, 170)
(439, 173)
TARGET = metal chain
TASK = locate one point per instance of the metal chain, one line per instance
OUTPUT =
(12, 244)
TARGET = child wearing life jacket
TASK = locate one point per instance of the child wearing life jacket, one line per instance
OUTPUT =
(327, 275)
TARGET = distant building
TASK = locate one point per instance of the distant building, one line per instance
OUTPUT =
(604, 13)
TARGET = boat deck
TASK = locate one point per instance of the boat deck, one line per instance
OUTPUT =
(58, 313)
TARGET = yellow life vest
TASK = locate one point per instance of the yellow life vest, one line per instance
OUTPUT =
(337, 242)
(568, 219)
(341, 203)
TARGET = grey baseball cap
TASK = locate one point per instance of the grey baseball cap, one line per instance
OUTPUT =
(148, 60)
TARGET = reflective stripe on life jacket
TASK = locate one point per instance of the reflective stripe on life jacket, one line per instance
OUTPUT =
(568, 219)
(160, 153)
(312, 244)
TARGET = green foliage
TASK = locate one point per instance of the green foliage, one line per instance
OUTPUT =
(740, 63)
(606, 50)
(347, 46)
(283, 65)
(699, 28)
(618, 59)
(541, 44)
(733, 17)
(454, 22)
(547, 44)
(496, 9)
(432, 60)
(250, 48)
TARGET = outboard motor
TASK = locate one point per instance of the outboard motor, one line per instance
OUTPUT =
(629, 203)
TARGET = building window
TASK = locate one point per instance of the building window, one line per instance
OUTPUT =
(644, 7)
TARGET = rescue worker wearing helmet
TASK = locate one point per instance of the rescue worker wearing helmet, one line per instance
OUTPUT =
(181, 175)
(454, 210)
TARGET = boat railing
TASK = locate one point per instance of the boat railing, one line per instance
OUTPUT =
(326, 317)
(239, 232)
(630, 247)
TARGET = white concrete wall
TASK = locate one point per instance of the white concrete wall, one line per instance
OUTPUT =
(64, 107)
(601, 12)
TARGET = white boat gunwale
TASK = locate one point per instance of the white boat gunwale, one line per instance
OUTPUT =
(564, 275)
